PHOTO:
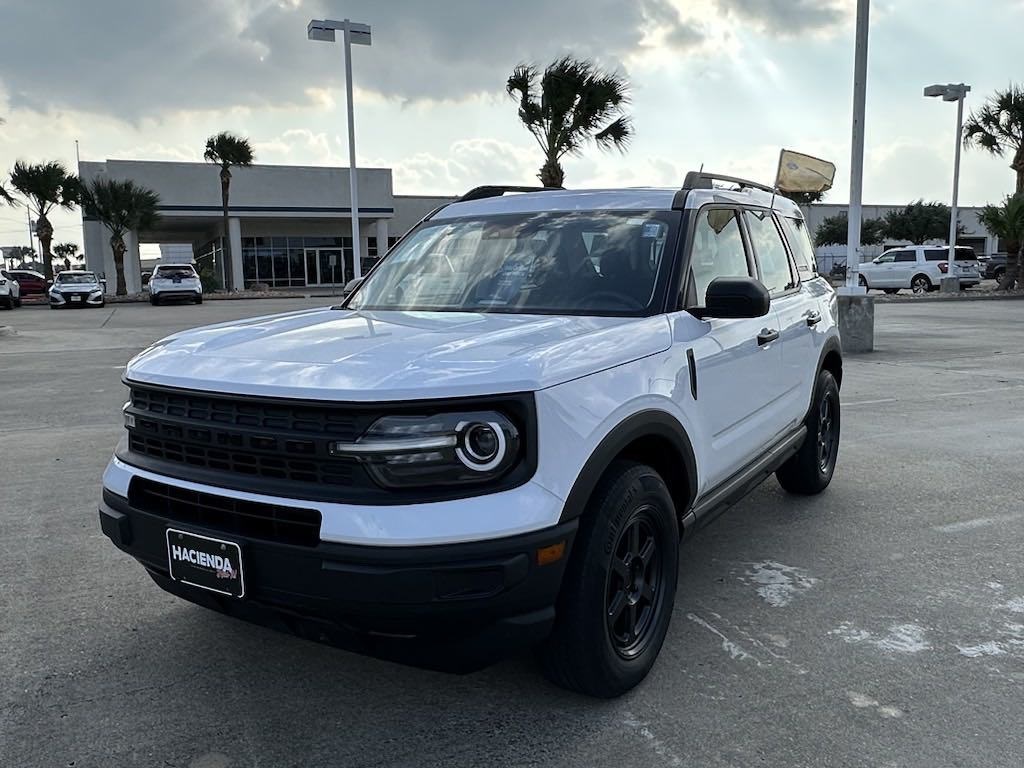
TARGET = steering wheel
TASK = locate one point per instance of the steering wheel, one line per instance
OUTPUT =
(595, 300)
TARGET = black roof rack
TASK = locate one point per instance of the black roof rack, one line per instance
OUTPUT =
(482, 193)
(706, 179)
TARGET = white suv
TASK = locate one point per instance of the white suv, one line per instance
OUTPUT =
(175, 281)
(10, 291)
(499, 438)
(919, 268)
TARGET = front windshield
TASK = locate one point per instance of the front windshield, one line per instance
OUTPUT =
(80, 277)
(586, 263)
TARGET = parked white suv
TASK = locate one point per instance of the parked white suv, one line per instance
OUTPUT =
(10, 291)
(919, 268)
(500, 436)
(175, 281)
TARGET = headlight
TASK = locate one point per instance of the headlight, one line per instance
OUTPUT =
(445, 449)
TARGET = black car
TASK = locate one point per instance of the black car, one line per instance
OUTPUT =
(994, 267)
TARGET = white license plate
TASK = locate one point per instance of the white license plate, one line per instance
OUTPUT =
(76, 298)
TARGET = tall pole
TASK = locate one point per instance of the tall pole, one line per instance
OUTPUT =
(31, 242)
(956, 184)
(860, 87)
(353, 185)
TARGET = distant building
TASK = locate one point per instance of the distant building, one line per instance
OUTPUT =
(289, 226)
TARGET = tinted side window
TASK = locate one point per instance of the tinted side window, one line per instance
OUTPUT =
(717, 252)
(937, 254)
(906, 256)
(800, 245)
(770, 252)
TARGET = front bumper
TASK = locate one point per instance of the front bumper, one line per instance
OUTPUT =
(75, 299)
(455, 607)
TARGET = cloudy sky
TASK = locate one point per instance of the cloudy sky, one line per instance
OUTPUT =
(725, 83)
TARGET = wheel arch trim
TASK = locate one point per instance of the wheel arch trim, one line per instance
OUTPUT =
(650, 423)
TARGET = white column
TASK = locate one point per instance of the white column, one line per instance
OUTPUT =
(235, 236)
(382, 237)
(132, 263)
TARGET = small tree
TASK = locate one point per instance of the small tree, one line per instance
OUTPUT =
(45, 186)
(228, 151)
(1006, 222)
(806, 198)
(998, 128)
(122, 206)
(918, 222)
(833, 231)
(575, 103)
(67, 252)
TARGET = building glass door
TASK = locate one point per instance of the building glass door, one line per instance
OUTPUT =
(327, 266)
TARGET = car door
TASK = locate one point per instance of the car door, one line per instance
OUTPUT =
(903, 269)
(733, 362)
(877, 272)
(793, 308)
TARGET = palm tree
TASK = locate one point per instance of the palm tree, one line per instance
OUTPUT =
(123, 206)
(67, 252)
(227, 150)
(45, 186)
(1006, 222)
(576, 102)
(998, 128)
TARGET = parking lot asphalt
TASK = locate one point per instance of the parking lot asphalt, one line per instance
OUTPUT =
(879, 624)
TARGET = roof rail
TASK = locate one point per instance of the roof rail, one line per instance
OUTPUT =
(704, 179)
(482, 193)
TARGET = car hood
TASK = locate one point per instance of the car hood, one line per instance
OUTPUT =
(367, 356)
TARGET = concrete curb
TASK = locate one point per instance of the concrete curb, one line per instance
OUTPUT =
(935, 299)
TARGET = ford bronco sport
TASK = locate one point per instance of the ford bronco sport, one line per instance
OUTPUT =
(500, 437)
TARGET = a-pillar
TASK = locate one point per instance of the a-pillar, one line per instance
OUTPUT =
(235, 236)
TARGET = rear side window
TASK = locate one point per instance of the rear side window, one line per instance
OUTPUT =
(717, 252)
(770, 252)
(905, 256)
(800, 245)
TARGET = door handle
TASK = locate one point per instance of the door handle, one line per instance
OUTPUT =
(766, 336)
(813, 318)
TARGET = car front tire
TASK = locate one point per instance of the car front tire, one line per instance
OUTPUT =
(154, 300)
(616, 600)
(810, 469)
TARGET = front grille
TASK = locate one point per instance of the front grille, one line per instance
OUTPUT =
(276, 441)
(248, 519)
(335, 421)
(150, 439)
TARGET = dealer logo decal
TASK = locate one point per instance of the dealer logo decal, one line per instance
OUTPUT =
(220, 565)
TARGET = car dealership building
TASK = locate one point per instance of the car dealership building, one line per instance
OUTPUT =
(289, 226)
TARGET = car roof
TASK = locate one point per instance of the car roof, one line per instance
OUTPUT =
(76, 272)
(630, 199)
(27, 272)
(173, 266)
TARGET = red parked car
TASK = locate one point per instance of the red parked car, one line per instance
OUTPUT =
(29, 282)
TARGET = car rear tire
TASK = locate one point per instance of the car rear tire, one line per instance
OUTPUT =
(999, 275)
(810, 469)
(616, 600)
(920, 284)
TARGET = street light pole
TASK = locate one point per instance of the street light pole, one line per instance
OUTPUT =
(860, 87)
(958, 93)
(357, 263)
(358, 34)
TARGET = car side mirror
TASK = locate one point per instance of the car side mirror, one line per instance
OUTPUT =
(877, 260)
(351, 285)
(736, 297)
